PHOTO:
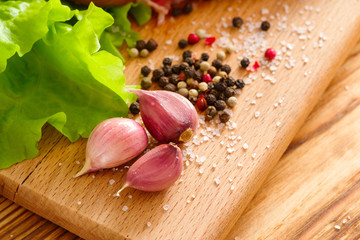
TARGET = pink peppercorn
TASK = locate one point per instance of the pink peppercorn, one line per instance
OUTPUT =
(193, 38)
(270, 53)
(254, 67)
(210, 40)
(206, 78)
(182, 77)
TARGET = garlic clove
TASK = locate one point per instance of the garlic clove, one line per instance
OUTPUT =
(113, 142)
(156, 170)
(168, 116)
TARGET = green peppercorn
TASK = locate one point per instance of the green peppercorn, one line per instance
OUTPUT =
(170, 87)
(133, 52)
(182, 43)
(231, 101)
(265, 25)
(134, 108)
(145, 71)
(240, 83)
(188, 7)
(205, 56)
(151, 45)
(190, 82)
(229, 48)
(144, 53)
(245, 62)
(176, 69)
(237, 22)
(201, 33)
(175, 12)
(167, 61)
(174, 79)
(210, 99)
(163, 81)
(225, 116)
(217, 63)
(140, 45)
(184, 92)
(229, 92)
(146, 83)
(210, 113)
(220, 105)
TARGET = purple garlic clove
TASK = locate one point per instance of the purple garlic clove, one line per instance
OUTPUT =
(156, 170)
(113, 142)
(168, 116)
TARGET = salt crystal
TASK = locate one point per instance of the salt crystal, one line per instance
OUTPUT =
(193, 196)
(166, 207)
(253, 155)
(346, 87)
(344, 221)
(130, 196)
(259, 95)
(148, 224)
(217, 181)
(79, 202)
(214, 165)
(264, 11)
(257, 114)
(240, 165)
(111, 181)
(230, 179)
(253, 102)
(125, 208)
(168, 42)
(245, 146)
(277, 124)
(77, 162)
(188, 201)
(337, 227)
(232, 187)
(60, 164)
(201, 170)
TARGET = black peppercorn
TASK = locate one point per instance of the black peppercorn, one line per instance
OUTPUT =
(210, 99)
(189, 61)
(193, 99)
(210, 113)
(197, 75)
(220, 86)
(220, 105)
(217, 63)
(170, 87)
(175, 12)
(167, 70)
(265, 25)
(174, 79)
(134, 108)
(245, 62)
(212, 71)
(222, 96)
(146, 83)
(197, 64)
(145, 71)
(188, 7)
(225, 116)
(189, 72)
(176, 69)
(182, 43)
(226, 68)
(140, 45)
(205, 56)
(186, 54)
(210, 85)
(239, 83)
(230, 81)
(163, 81)
(237, 22)
(183, 65)
(214, 92)
(167, 61)
(157, 74)
(151, 45)
(229, 92)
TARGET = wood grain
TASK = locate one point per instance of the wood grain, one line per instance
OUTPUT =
(49, 189)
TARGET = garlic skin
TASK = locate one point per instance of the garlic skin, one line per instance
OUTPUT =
(113, 142)
(156, 170)
(168, 116)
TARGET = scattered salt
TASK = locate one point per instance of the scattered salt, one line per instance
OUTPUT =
(217, 181)
(125, 208)
(166, 207)
(245, 146)
(79, 202)
(148, 224)
(337, 227)
(111, 181)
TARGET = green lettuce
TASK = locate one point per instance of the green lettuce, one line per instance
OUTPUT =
(64, 78)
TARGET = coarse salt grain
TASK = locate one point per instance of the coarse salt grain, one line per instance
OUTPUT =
(253, 155)
(277, 124)
(166, 207)
(217, 181)
(148, 224)
(257, 114)
(214, 165)
(125, 208)
(201, 170)
(130, 196)
(337, 227)
(344, 221)
(60, 164)
(193, 196)
(79, 202)
(232, 187)
(111, 181)
(240, 165)
(245, 146)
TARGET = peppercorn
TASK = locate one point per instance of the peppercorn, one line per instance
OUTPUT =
(214, 92)
(229, 48)
(174, 79)
(220, 86)
(146, 83)
(216, 79)
(184, 92)
(145, 71)
(186, 54)
(210, 85)
(188, 7)
(245, 62)
(167, 61)
(201, 33)
(265, 25)
(240, 83)
(210, 99)
(231, 101)
(197, 63)
(193, 93)
(225, 116)
(230, 81)
(163, 81)
(192, 99)
(182, 43)
(157, 74)
(182, 77)
(189, 72)
(205, 56)
(203, 86)
(183, 65)
(210, 113)
(226, 68)
(222, 96)
(193, 39)
(151, 45)
(197, 75)
(217, 63)
(189, 61)
(181, 84)
(237, 22)
(212, 71)
(167, 71)
(229, 92)
(134, 108)
(140, 45)
(176, 69)
(175, 12)
(144, 53)
(220, 55)
(204, 66)
(170, 87)
(220, 105)
(133, 52)
(201, 103)
(191, 83)
(222, 74)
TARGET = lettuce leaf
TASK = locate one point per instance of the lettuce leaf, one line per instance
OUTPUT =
(65, 80)
(141, 12)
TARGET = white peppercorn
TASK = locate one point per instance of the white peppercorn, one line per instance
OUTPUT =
(144, 53)
(204, 66)
(229, 48)
(220, 55)
(216, 79)
(223, 74)
(181, 84)
(201, 33)
(133, 52)
(193, 93)
(203, 86)
(184, 92)
(231, 101)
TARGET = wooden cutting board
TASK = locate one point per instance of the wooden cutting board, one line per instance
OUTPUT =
(86, 206)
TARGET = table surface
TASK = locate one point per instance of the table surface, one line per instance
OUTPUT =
(318, 165)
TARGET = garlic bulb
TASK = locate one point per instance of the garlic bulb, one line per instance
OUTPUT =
(156, 170)
(168, 116)
(113, 142)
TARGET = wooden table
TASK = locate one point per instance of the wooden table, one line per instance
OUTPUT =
(312, 189)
